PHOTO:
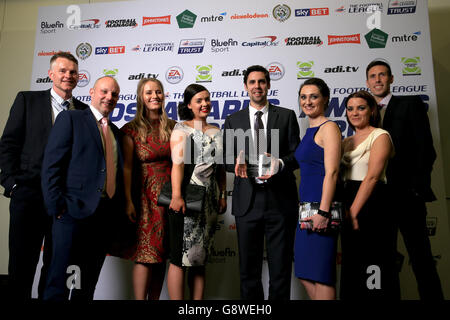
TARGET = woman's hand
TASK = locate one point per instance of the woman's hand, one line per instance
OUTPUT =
(319, 223)
(177, 205)
(222, 205)
(130, 211)
(354, 219)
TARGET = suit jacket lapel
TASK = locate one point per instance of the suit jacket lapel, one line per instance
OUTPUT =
(91, 123)
(388, 114)
(271, 124)
(116, 133)
(47, 114)
(244, 124)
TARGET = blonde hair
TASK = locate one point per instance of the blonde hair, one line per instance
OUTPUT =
(141, 122)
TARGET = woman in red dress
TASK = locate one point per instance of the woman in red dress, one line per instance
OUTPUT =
(146, 148)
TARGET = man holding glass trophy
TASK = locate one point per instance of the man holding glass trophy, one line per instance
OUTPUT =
(259, 146)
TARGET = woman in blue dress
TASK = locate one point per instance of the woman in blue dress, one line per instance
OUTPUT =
(318, 155)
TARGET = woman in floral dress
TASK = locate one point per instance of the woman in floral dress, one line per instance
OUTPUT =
(191, 234)
(147, 166)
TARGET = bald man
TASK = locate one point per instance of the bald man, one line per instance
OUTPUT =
(81, 183)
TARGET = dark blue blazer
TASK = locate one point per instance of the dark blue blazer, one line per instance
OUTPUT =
(74, 165)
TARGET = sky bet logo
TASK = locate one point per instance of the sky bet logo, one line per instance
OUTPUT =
(110, 50)
(311, 12)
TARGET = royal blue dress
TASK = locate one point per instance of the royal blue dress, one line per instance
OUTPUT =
(315, 254)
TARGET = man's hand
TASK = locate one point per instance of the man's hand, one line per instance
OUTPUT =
(240, 170)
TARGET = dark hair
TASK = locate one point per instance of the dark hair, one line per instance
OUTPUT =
(378, 62)
(257, 68)
(191, 90)
(65, 55)
(321, 85)
(375, 118)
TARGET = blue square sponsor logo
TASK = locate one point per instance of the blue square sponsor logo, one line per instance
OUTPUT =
(302, 12)
(101, 50)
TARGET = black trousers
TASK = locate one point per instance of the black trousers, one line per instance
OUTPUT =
(79, 249)
(278, 230)
(411, 221)
(29, 225)
(368, 255)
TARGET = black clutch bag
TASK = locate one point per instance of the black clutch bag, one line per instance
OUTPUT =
(193, 194)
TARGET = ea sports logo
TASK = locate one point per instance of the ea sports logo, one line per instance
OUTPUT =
(174, 75)
(276, 70)
(83, 78)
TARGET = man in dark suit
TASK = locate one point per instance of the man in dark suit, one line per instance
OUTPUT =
(409, 172)
(82, 186)
(21, 151)
(264, 206)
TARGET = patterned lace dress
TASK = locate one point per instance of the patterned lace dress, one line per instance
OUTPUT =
(198, 230)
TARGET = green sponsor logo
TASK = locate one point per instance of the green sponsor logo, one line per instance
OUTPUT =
(110, 72)
(305, 71)
(204, 73)
(411, 66)
(376, 39)
(186, 19)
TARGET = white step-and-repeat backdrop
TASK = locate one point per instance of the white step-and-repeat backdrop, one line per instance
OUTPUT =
(211, 43)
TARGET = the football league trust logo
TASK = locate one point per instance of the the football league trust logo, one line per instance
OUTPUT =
(281, 12)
